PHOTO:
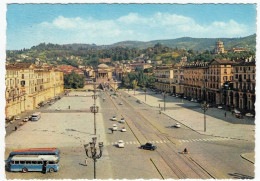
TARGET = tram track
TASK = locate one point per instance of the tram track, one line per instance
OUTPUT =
(196, 168)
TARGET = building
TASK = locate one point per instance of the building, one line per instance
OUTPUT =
(104, 60)
(27, 85)
(219, 72)
(242, 95)
(194, 80)
(68, 69)
(103, 73)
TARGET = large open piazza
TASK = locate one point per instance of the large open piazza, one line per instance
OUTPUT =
(225, 150)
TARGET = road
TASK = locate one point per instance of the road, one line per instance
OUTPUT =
(69, 129)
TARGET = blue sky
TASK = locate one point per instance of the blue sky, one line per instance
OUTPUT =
(31, 24)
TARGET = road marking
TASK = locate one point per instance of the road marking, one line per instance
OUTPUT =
(164, 141)
(130, 142)
(161, 141)
(157, 141)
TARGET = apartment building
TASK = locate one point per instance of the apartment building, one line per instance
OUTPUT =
(27, 85)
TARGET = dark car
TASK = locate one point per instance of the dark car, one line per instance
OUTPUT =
(148, 146)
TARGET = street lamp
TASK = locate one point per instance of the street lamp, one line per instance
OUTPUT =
(204, 106)
(164, 96)
(94, 109)
(92, 151)
(145, 94)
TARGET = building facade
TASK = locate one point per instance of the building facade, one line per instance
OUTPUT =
(27, 85)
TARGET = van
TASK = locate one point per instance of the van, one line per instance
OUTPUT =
(35, 116)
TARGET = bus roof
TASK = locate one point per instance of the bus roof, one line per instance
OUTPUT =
(34, 158)
(36, 149)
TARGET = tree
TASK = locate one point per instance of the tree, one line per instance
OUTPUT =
(134, 84)
(73, 81)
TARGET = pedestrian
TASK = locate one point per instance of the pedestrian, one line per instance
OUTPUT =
(185, 150)
(69, 107)
(15, 128)
(112, 130)
(44, 167)
(225, 114)
(86, 162)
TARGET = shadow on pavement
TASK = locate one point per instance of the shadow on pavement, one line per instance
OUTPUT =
(240, 176)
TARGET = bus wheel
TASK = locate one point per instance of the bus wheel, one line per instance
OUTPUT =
(24, 170)
(51, 170)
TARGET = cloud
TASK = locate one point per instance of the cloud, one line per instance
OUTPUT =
(134, 26)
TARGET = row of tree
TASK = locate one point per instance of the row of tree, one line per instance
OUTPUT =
(139, 79)
(73, 81)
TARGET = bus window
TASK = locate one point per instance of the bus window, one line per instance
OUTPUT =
(40, 162)
(34, 162)
(12, 162)
(28, 162)
(51, 162)
(22, 162)
(16, 162)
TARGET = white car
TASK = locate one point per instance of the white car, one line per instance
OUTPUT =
(177, 125)
(122, 120)
(114, 128)
(120, 103)
(120, 144)
(114, 118)
(17, 118)
(58, 109)
(220, 107)
(123, 129)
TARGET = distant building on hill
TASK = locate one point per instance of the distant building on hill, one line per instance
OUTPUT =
(219, 48)
(68, 69)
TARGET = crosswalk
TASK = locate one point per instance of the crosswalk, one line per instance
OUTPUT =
(204, 140)
(167, 141)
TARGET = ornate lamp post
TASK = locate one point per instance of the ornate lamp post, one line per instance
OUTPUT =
(164, 96)
(93, 152)
(204, 106)
(145, 94)
(94, 109)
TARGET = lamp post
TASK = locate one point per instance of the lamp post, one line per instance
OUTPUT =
(164, 96)
(94, 109)
(204, 106)
(92, 151)
(145, 94)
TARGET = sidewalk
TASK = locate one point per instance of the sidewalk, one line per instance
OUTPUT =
(190, 114)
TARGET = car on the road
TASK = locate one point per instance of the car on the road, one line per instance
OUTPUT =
(120, 144)
(173, 95)
(148, 146)
(177, 125)
(114, 128)
(177, 95)
(220, 107)
(114, 118)
(120, 103)
(17, 118)
(57, 109)
(123, 129)
(122, 120)
(184, 97)
(26, 119)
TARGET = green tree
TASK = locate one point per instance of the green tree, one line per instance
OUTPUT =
(73, 81)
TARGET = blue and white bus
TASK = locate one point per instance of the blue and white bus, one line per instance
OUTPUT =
(40, 163)
(36, 151)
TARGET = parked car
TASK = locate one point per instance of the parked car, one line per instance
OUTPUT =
(114, 118)
(57, 109)
(17, 118)
(123, 129)
(120, 103)
(184, 97)
(114, 128)
(122, 120)
(148, 146)
(173, 95)
(220, 107)
(120, 144)
(26, 119)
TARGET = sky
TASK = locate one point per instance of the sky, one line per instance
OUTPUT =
(31, 24)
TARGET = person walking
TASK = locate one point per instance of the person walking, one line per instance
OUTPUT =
(15, 128)
(112, 130)
(225, 114)
(44, 167)
(86, 162)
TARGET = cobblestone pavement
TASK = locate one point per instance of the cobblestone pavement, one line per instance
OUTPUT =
(68, 131)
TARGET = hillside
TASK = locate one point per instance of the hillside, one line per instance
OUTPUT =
(198, 44)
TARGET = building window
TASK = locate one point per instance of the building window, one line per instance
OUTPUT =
(245, 76)
(22, 76)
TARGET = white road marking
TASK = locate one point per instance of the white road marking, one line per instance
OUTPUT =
(157, 141)
(161, 141)
(130, 142)
(164, 141)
